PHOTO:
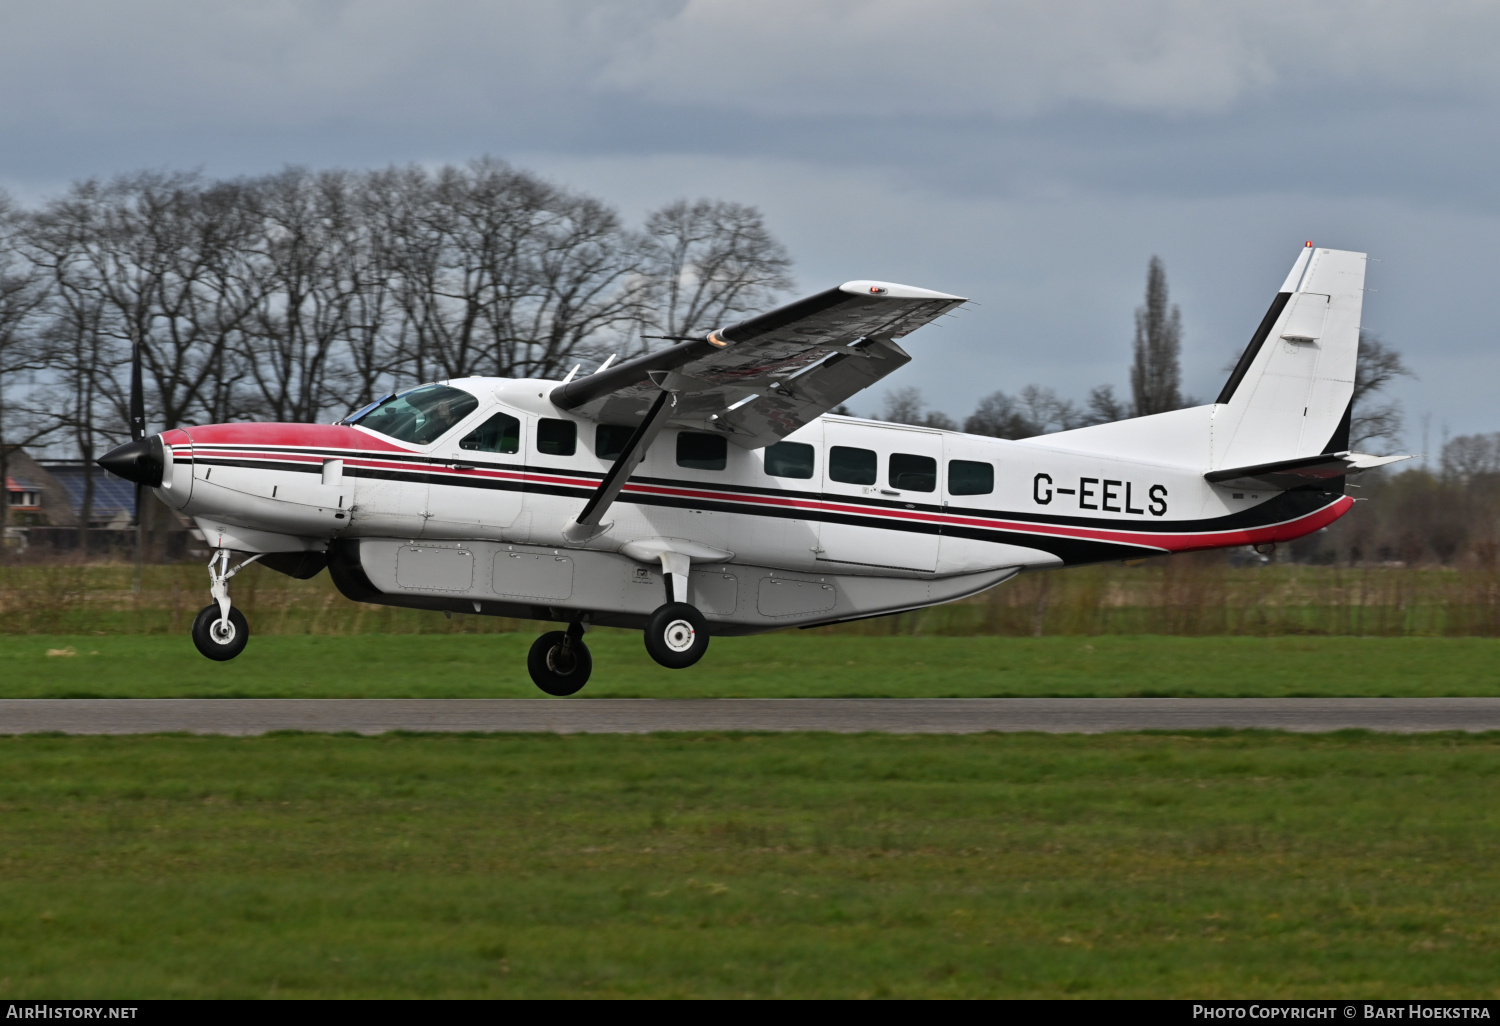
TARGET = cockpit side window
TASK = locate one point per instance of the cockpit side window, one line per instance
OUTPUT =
(501, 433)
(422, 415)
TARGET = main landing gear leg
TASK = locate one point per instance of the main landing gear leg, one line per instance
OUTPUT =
(220, 631)
(676, 633)
(559, 662)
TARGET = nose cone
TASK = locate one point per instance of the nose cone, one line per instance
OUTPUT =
(140, 461)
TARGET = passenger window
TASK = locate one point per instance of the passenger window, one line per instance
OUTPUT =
(501, 433)
(556, 437)
(851, 465)
(966, 477)
(913, 473)
(789, 459)
(610, 440)
(702, 452)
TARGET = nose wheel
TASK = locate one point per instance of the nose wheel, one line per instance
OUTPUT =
(218, 637)
(676, 635)
(559, 662)
(220, 631)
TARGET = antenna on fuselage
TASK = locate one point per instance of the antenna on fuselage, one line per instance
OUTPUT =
(571, 373)
(606, 363)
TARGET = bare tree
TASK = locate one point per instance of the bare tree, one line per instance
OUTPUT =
(1156, 373)
(1376, 367)
(1468, 456)
(584, 287)
(22, 293)
(309, 257)
(164, 261)
(1033, 411)
(710, 263)
(497, 272)
(903, 406)
(906, 406)
(79, 398)
(1104, 407)
(999, 416)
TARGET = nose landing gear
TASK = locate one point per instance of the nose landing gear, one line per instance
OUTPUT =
(220, 631)
(559, 662)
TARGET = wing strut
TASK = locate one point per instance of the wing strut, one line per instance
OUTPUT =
(586, 525)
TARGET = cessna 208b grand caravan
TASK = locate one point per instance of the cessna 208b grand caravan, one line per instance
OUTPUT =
(706, 490)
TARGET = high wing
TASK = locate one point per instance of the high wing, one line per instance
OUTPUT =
(765, 377)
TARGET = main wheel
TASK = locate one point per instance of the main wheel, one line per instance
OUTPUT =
(676, 635)
(217, 638)
(557, 667)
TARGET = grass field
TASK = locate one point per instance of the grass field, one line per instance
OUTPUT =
(788, 665)
(1189, 595)
(1209, 865)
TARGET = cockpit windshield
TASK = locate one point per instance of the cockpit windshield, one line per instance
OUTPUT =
(419, 416)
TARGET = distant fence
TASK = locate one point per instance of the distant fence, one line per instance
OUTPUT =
(1180, 596)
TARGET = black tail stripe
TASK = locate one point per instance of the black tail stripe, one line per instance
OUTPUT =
(1257, 340)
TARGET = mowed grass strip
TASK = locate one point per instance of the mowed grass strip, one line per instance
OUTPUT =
(1209, 865)
(790, 665)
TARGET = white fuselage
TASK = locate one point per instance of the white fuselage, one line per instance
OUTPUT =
(873, 517)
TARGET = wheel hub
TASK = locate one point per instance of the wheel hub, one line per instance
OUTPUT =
(222, 632)
(679, 635)
(560, 661)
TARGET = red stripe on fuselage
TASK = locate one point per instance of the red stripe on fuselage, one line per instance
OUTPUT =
(313, 436)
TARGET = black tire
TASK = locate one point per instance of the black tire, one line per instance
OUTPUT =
(551, 668)
(220, 644)
(676, 635)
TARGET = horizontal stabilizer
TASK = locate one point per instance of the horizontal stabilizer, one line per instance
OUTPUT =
(1297, 473)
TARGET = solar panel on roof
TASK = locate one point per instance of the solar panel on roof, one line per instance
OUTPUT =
(111, 493)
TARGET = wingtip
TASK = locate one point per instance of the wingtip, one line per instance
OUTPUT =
(894, 290)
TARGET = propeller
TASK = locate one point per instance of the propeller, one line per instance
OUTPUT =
(139, 460)
(137, 413)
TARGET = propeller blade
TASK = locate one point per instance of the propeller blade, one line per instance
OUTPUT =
(137, 398)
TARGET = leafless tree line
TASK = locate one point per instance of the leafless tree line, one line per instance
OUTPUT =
(303, 294)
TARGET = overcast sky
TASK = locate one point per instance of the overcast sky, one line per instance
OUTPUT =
(1030, 154)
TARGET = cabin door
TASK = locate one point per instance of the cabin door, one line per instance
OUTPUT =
(476, 488)
(881, 484)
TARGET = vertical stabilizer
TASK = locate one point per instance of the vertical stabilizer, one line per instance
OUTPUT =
(1290, 392)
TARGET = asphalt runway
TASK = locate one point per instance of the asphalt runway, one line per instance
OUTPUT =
(244, 716)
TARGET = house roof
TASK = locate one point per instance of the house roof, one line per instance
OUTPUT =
(111, 494)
